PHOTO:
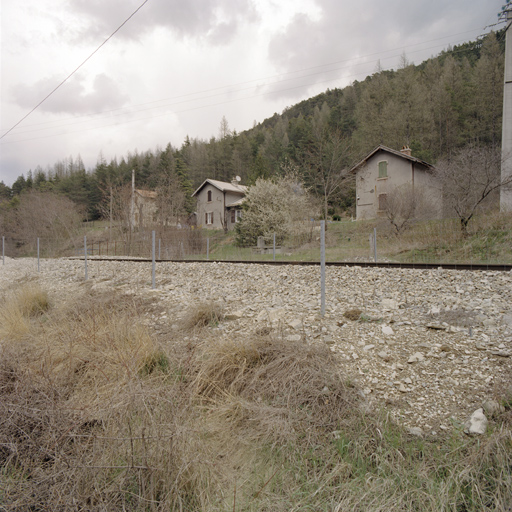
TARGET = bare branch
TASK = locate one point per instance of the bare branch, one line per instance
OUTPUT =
(468, 178)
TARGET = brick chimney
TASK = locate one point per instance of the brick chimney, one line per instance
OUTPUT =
(406, 150)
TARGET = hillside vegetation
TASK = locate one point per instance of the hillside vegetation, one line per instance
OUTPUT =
(437, 107)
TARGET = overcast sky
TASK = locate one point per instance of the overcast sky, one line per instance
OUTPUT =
(177, 66)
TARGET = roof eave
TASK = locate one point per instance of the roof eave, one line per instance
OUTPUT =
(380, 147)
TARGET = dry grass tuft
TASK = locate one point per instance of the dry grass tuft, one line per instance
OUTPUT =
(89, 403)
(19, 307)
(95, 415)
(203, 315)
(353, 314)
(32, 300)
(279, 387)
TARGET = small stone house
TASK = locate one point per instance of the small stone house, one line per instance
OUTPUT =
(144, 208)
(219, 203)
(385, 169)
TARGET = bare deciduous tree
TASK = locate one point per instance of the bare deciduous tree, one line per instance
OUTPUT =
(170, 200)
(46, 215)
(325, 165)
(469, 178)
(117, 206)
(405, 205)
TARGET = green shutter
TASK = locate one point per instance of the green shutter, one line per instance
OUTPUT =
(383, 169)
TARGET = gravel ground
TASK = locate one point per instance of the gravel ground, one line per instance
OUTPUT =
(431, 346)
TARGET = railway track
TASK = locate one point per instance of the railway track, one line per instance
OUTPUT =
(416, 266)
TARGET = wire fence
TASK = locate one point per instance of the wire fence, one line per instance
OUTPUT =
(436, 242)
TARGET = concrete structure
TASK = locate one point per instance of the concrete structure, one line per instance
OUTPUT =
(506, 139)
(385, 169)
(219, 204)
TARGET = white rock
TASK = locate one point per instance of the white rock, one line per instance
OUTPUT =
(235, 315)
(296, 323)
(416, 358)
(507, 319)
(387, 330)
(389, 304)
(491, 407)
(384, 355)
(477, 424)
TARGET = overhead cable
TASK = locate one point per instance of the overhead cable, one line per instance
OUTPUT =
(76, 69)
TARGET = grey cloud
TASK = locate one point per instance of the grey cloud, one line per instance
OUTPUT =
(202, 19)
(222, 33)
(346, 30)
(72, 97)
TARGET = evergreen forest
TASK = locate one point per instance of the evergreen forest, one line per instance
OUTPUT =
(436, 108)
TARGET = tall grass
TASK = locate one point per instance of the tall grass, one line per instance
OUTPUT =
(98, 414)
(432, 241)
(19, 308)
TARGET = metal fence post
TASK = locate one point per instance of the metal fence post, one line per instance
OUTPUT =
(207, 248)
(38, 254)
(85, 256)
(159, 247)
(3, 250)
(153, 257)
(274, 248)
(375, 244)
(322, 267)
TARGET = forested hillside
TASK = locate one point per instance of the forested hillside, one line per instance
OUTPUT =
(443, 104)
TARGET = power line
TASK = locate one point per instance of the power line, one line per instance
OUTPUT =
(75, 70)
(234, 90)
(192, 108)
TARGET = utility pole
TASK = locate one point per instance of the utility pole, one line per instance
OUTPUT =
(132, 206)
(506, 137)
(110, 224)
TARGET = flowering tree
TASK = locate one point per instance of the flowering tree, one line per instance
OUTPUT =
(271, 207)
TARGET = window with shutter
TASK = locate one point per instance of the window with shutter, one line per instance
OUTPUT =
(383, 169)
(233, 216)
(209, 196)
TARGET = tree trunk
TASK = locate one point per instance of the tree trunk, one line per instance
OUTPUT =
(464, 227)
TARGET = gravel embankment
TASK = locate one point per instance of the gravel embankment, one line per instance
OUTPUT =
(431, 346)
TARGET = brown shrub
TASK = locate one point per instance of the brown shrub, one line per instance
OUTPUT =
(203, 315)
(279, 387)
(352, 314)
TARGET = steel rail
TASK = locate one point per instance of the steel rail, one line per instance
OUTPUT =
(368, 264)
